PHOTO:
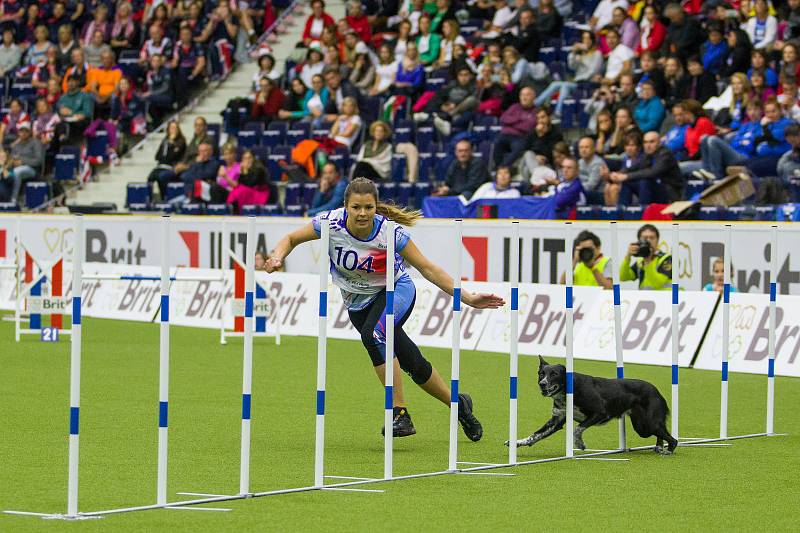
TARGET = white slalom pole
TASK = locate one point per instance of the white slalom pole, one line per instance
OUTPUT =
(570, 424)
(617, 321)
(163, 367)
(513, 366)
(277, 308)
(675, 328)
(319, 442)
(455, 358)
(388, 416)
(247, 371)
(19, 270)
(225, 261)
(75, 365)
(726, 319)
(773, 297)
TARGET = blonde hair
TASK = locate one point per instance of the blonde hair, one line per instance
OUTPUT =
(401, 215)
(380, 124)
(746, 88)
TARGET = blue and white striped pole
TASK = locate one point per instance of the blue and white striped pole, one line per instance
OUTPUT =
(455, 360)
(513, 367)
(319, 443)
(163, 367)
(726, 320)
(675, 328)
(75, 366)
(773, 297)
(247, 371)
(615, 265)
(388, 416)
(570, 424)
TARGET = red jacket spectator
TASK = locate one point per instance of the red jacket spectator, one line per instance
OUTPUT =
(314, 24)
(267, 108)
(695, 133)
(654, 38)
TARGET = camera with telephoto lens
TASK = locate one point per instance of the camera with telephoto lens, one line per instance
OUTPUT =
(585, 255)
(644, 249)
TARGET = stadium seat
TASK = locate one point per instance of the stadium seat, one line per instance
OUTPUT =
(765, 213)
(485, 151)
(370, 108)
(294, 211)
(138, 208)
(292, 194)
(710, 212)
(22, 88)
(425, 138)
(548, 54)
(163, 207)
(694, 188)
(247, 138)
(434, 84)
(298, 132)
(425, 166)
(270, 210)
(278, 153)
(36, 193)
(588, 212)
(404, 193)
(739, 212)
(261, 153)
(65, 166)
(569, 114)
(138, 193)
(215, 132)
(788, 213)
(191, 209)
(274, 134)
(218, 209)
(794, 189)
(175, 190)
(128, 61)
(398, 174)
(633, 212)
(404, 132)
(441, 163)
(250, 210)
(309, 190)
(387, 192)
(421, 191)
(9, 207)
(610, 213)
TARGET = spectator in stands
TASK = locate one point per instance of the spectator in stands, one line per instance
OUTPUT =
(674, 79)
(503, 16)
(58, 17)
(623, 124)
(338, 90)
(541, 142)
(760, 61)
(648, 265)
(450, 38)
(651, 31)
(123, 30)
(604, 131)
(200, 136)
(10, 54)
(651, 71)
(267, 101)
(731, 118)
(625, 96)
(698, 126)
(330, 194)
(201, 173)
(499, 188)
(590, 167)
(65, 44)
(47, 126)
(632, 159)
(685, 35)
(44, 71)
(75, 107)
(626, 26)
(658, 180)
(738, 58)
(526, 39)
(266, 68)
(718, 277)
(517, 122)
(698, 85)
(548, 19)
(314, 102)
(401, 41)
(26, 156)
(362, 76)
(604, 13)
(649, 112)
(159, 93)
(157, 43)
(516, 65)
(127, 112)
(714, 51)
(453, 106)
(357, 20)
(316, 21)
(374, 159)
(763, 27)
(103, 80)
(253, 185)
(586, 61)
(675, 138)
(37, 51)
(188, 62)
(758, 89)
(8, 126)
(465, 174)
(619, 59)
(344, 130)
(569, 190)
(99, 23)
(169, 154)
(53, 92)
(428, 43)
(8, 181)
(590, 268)
(293, 105)
(78, 67)
(410, 77)
(789, 163)
(385, 71)
(227, 175)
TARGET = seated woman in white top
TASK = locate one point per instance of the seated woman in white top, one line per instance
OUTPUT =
(347, 125)
(451, 36)
(499, 188)
(385, 71)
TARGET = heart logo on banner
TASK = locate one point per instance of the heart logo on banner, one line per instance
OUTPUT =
(52, 238)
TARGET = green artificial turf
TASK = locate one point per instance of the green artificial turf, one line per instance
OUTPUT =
(751, 484)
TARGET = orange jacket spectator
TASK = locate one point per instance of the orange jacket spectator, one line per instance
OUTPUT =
(105, 79)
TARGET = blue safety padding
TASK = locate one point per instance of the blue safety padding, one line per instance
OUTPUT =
(457, 299)
(163, 408)
(74, 418)
(773, 292)
(389, 302)
(165, 308)
(726, 293)
(617, 296)
(674, 374)
(323, 304)
(569, 297)
(620, 372)
(512, 388)
(514, 299)
(388, 401)
(248, 304)
(246, 399)
(724, 371)
(320, 402)
(76, 311)
(453, 391)
(771, 368)
(570, 386)
(674, 294)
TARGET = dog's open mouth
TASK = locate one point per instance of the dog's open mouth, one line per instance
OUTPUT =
(549, 391)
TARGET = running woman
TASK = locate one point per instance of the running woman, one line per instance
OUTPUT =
(357, 250)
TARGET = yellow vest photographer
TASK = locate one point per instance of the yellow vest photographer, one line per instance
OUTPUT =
(645, 263)
(590, 268)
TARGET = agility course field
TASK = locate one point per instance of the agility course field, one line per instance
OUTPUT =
(751, 484)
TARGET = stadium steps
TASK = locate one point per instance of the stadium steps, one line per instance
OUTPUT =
(111, 183)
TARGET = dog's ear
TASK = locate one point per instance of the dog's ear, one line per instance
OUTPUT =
(542, 362)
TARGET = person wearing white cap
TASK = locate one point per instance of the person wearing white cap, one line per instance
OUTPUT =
(27, 156)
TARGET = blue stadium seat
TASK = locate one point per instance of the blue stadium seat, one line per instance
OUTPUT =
(215, 132)
(588, 212)
(138, 192)
(294, 211)
(425, 138)
(788, 213)
(292, 197)
(441, 163)
(163, 207)
(97, 144)
(191, 209)
(569, 114)
(548, 54)
(250, 210)
(270, 210)
(370, 108)
(218, 209)
(794, 189)
(9, 207)
(739, 212)
(65, 166)
(485, 151)
(22, 88)
(138, 208)
(299, 131)
(261, 153)
(175, 189)
(36, 193)
(434, 84)
(128, 63)
(694, 187)
(398, 168)
(610, 213)
(275, 134)
(404, 132)
(765, 213)
(387, 191)
(247, 138)
(421, 191)
(278, 153)
(710, 212)
(309, 190)
(404, 193)
(425, 166)
(633, 212)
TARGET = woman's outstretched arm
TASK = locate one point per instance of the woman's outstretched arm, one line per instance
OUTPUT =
(287, 244)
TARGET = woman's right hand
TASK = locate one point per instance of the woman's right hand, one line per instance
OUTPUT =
(273, 264)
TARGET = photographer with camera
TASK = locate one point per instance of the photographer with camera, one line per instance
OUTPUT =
(646, 263)
(589, 266)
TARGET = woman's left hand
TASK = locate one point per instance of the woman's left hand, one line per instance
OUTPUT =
(485, 301)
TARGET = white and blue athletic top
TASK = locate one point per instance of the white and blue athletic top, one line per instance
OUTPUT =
(358, 266)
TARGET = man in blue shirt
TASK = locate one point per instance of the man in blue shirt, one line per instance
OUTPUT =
(330, 194)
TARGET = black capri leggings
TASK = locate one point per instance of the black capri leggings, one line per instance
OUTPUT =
(407, 352)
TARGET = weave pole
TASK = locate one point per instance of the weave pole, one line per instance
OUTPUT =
(726, 320)
(773, 296)
(675, 328)
(163, 367)
(224, 262)
(388, 414)
(617, 321)
(455, 357)
(17, 277)
(513, 365)
(75, 366)
(247, 371)
(319, 442)
(570, 423)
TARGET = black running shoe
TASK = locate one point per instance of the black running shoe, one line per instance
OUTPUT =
(471, 426)
(402, 425)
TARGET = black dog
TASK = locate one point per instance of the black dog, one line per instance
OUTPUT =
(598, 400)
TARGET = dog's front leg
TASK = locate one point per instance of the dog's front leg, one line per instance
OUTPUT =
(550, 427)
(586, 424)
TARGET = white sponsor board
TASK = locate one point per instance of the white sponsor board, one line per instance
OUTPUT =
(749, 335)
